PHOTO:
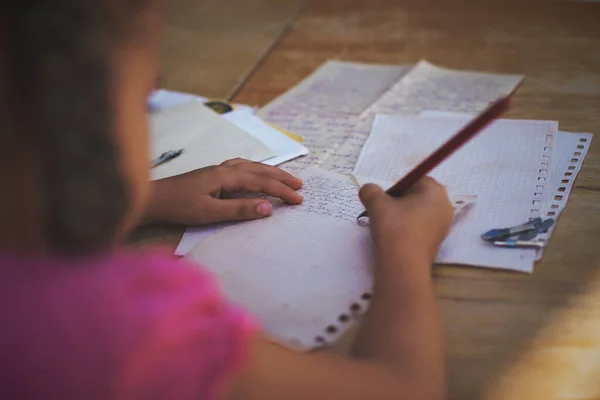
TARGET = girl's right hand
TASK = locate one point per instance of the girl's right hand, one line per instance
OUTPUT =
(416, 222)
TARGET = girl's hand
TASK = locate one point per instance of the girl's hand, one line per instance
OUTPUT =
(417, 222)
(199, 197)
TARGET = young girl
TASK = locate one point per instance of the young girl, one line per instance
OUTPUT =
(82, 318)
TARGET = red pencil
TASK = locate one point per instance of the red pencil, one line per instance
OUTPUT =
(445, 150)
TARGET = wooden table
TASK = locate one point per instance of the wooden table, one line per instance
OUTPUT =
(490, 316)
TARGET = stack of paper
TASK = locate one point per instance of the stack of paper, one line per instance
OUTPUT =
(306, 271)
(180, 121)
(334, 110)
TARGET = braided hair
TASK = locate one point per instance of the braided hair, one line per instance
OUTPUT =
(60, 68)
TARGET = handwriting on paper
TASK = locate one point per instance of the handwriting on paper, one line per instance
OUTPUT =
(338, 87)
(346, 155)
(427, 87)
(330, 194)
(323, 134)
(324, 109)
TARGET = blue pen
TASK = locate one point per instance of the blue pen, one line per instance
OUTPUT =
(505, 233)
(166, 157)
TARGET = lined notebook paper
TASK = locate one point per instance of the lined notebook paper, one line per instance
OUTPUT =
(505, 166)
(304, 272)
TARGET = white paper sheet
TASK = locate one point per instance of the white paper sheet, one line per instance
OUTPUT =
(285, 149)
(302, 268)
(206, 137)
(502, 166)
(571, 149)
(337, 87)
(428, 87)
(304, 271)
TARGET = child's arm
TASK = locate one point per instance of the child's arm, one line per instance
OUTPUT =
(398, 353)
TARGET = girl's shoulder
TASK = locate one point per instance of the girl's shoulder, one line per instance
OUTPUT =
(145, 321)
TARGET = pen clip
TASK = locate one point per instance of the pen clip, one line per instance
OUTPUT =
(542, 228)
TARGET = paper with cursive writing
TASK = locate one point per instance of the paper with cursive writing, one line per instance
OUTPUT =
(336, 87)
(428, 87)
(324, 109)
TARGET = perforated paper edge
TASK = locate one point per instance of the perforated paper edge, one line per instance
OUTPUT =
(558, 201)
(336, 329)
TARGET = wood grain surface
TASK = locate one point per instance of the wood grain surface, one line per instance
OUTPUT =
(211, 46)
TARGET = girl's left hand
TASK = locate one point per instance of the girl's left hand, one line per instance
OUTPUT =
(199, 197)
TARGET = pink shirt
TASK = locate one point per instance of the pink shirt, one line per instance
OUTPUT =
(122, 326)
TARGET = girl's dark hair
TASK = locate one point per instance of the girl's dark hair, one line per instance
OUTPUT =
(60, 66)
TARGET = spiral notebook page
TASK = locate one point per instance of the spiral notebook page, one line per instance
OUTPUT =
(300, 270)
(570, 149)
(503, 166)
(305, 272)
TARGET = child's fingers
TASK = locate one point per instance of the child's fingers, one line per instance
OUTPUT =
(264, 170)
(272, 172)
(236, 210)
(236, 181)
